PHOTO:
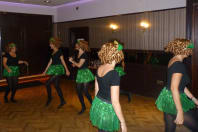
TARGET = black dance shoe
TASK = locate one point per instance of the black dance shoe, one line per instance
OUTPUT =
(48, 102)
(129, 97)
(82, 111)
(61, 104)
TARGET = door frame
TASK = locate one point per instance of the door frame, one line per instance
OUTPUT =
(73, 30)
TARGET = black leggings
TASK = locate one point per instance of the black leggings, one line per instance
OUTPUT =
(190, 121)
(83, 88)
(56, 80)
(12, 85)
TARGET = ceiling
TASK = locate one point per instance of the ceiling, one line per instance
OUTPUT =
(42, 2)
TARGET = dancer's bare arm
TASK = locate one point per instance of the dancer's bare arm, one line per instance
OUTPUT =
(96, 86)
(5, 59)
(64, 64)
(115, 92)
(48, 65)
(175, 81)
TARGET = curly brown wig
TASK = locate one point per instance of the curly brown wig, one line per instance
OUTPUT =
(83, 45)
(109, 52)
(9, 46)
(179, 47)
(56, 42)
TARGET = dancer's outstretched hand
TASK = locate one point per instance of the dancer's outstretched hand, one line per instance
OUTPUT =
(180, 118)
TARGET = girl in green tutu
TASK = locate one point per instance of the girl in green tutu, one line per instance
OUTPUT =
(11, 70)
(105, 112)
(175, 100)
(55, 68)
(84, 75)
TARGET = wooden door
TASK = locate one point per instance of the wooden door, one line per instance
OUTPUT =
(76, 33)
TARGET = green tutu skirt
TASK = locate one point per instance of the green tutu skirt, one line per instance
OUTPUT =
(14, 73)
(120, 70)
(56, 70)
(103, 116)
(166, 103)
(84, 76)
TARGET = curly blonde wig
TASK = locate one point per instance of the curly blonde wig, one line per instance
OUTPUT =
(56, 42)
(83, 45)
(179, 47)
(109, 52)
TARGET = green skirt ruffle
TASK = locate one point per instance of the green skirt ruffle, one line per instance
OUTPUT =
(14, 73)
(120, 70)
(56, 70)
(103, 116)
(84, 76)
(166, 103)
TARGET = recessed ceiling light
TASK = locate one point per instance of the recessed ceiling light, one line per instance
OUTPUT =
(47, 1)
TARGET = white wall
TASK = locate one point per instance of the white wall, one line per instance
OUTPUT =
(101, 8)
(26, 8)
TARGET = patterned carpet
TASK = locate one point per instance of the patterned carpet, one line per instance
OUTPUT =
(31, 115)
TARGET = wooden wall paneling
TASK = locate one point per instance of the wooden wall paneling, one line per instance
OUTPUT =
(165, 26)
(54, 31)
(39, 30)
(195, 55)
(189, 18)
(161, 31)
(31, 33)
(144, 79)
(191, 33)
(1, 61)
